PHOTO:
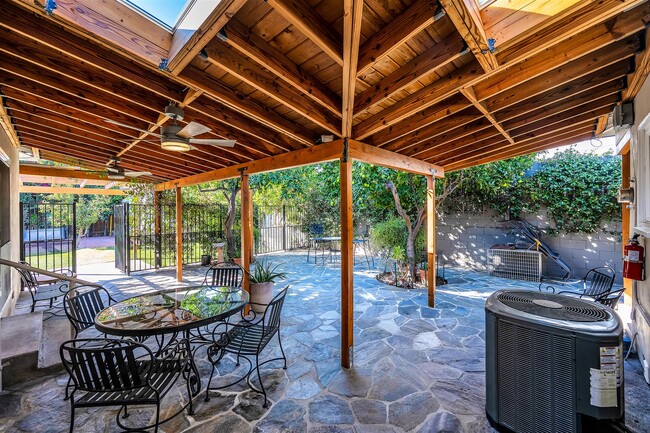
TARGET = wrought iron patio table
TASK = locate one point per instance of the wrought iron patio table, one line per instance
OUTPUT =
(171, 311)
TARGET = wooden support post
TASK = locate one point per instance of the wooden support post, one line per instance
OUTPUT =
(246, 230)
(157, 229)
(179, 235)
(347, 261)
(431, 240)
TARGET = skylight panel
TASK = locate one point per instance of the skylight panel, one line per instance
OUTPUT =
(163, 12)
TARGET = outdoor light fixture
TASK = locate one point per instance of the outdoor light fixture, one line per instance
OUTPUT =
(324, 139)
(175, 144)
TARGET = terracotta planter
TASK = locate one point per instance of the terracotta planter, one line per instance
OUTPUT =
(423, 276)
(237, 260)
(261, 293)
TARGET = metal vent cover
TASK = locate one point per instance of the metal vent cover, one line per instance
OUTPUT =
(554, 307)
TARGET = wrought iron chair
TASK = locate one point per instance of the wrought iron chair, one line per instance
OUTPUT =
(596, 285)
(248, 339)
(224, 274)
(42, 292)
(83, 303)
(316, 232)
(109, 372)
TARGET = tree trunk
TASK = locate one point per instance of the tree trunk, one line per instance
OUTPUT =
(230, 220)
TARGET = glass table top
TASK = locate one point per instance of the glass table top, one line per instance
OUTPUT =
(171, 310)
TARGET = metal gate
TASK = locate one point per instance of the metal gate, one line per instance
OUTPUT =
(49, 235)
(279, 228)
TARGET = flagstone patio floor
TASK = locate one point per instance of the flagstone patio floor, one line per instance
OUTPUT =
(416, 369)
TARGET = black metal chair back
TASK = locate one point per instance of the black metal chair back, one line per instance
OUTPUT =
(28, 278)
(599, 281)
(271, 322)
(112, 366)
(224, 275)
(83, 303)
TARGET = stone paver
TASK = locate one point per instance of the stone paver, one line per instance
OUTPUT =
(416, 369)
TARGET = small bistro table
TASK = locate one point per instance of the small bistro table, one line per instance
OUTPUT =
(171, 311)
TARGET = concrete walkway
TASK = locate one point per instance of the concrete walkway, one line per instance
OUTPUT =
(416, 369)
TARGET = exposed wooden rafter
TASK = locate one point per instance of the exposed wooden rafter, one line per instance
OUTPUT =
(468, 92)
(352, 15)
(465, 16)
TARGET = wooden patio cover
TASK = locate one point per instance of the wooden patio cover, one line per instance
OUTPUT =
(414, 85)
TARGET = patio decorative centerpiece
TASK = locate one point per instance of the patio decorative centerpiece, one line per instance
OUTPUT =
(263, 277)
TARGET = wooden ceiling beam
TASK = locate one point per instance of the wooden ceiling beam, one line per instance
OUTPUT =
(573, 48)
(256, 48)
(49, 171)
(642, 69)
(29, 189)
(322, 153)
(449, 107)
(561, 27)
(533, 131)
(612, 78)
(601, 125)
(468, 92)
(562, 139)
(611, 58)
(227, 59)
(7, 125)
(43, 31)
(118, 25)
(197, 28)
(416, 18)
(237, 101)
(309, 23)
(428, 150)
(441, 54)
(435, 92)
(376, 156)
(467, 20)
(484, 148)
(352, 14)
(575, 102)
(441, 132)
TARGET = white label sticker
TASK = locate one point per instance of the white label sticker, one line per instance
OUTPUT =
(602, 387)
(633, 256)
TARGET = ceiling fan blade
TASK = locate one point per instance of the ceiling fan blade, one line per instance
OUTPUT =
(192, 129)
(115, 122)
(113, 169)
(213, 142)
(137, 173)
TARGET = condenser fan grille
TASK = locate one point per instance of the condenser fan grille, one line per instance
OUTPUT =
(553, 307)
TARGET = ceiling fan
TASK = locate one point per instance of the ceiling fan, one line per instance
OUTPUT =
(116, 172)
(179, 139)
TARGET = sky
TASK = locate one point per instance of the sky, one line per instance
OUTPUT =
(166, 11)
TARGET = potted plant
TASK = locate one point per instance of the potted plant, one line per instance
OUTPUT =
(262, 276)
(206, 257)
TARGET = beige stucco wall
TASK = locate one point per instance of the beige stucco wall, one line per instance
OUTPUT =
(641, 289)
(9, 281)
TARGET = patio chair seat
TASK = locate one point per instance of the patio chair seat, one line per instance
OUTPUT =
(246, 341)
(595, 285)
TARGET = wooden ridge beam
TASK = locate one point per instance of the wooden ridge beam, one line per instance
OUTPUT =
(190, 37)
(352, 15)
(256, 48)
(450, 106)
(45, 32)
(69, 190)
(467, 20)
(639, 76)
(468, 92)
(376, 156)
(441, 54)
(297, 158)
(435, 92)
(249, 107)
(117, 25)
(309, 23)
(411, 22)
(227, 59)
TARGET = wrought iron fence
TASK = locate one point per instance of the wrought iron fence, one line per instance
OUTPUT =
(49, 235)
(146, 238)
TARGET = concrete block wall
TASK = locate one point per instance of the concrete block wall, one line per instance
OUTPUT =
(464, 240)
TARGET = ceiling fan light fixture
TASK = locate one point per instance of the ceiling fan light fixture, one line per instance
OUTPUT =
(174, 144)
(116, 176)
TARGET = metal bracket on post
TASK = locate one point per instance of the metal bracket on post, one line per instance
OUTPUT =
(241, 172)
(345, 157)
(433, 173)
(49, 7)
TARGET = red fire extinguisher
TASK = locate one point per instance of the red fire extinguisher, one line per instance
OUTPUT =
(634, 260)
